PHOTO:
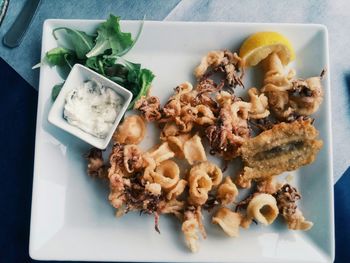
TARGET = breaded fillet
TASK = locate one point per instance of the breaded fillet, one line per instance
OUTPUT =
(286, 147)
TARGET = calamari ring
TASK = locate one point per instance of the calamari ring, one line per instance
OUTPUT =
(227, 191)
(131, 131)
(167, 174)
(199, 185)
(212, 170)
(177, 190)
(183, 88)
(263, 208)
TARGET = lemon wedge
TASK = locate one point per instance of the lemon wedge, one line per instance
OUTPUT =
(259, 45)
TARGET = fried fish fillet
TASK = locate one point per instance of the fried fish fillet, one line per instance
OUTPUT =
(286, 147)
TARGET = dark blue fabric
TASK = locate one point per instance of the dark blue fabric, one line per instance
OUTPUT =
(18, 102)
(342, 216)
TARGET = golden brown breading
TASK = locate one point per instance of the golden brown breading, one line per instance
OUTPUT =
(96, 166)
(286, 147)
(290, 97)
(133, 160)
(193, 150)
(192, 223)
(231, 128)
(131, 131)
(229, 221)
(223, 61)
(177, 144)
(268, 185)
(263, 208)
(227, 191)
(149, 108)
(286, 197)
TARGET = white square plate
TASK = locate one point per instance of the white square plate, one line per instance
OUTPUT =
(71, 216)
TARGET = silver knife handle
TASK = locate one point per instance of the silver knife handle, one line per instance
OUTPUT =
(15, 35)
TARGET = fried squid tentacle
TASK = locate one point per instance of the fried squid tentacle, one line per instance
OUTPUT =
(96, 166)
(286, 197)
(222, 61)
(231, 128)
(192, 224)
(149, 108)
(290, 97)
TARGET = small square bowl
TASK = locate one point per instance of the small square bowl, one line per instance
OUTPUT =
(78, 75)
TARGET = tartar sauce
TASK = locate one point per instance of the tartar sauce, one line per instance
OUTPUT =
(92, 108)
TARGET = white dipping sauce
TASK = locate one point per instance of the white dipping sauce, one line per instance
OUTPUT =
(92, 108)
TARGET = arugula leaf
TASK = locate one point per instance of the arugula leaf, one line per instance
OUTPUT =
(128, 74)
(102, 53)
(109, 36)
(145, 79)
(56, 90)
(59, 56)
(81, 42)
(135, 40)
(95, 64)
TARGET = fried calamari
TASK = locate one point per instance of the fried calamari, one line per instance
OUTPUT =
(222, 61)
(286, 197)
(192, 224)
(152, 182)
(229, 221)
(149, 108)
(263, 208)
(227, 192)
(131, 131)
(96, 166)
(289, 97)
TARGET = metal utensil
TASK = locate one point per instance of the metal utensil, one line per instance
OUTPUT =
(15, 34)
(3, 8)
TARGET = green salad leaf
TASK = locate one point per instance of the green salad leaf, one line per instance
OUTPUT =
(102, 53)
(81, 42)
(56, 90)
(60, 56)
(96, 64)
(145, 80)
(109, 36)
(127, 74)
